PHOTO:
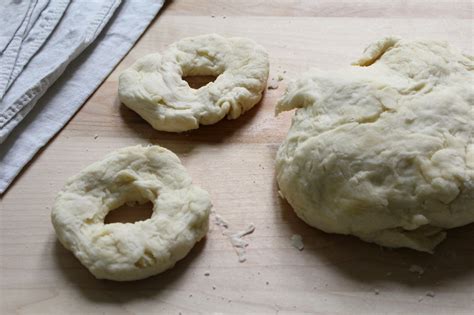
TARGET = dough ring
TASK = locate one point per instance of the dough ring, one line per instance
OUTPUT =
(153, 86)
(131, 251)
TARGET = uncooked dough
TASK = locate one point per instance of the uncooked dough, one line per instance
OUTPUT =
(131, 251)
(383, 150)
(154, 88)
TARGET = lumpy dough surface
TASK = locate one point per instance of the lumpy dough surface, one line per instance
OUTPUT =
(383, 149)
(154, 86)
(131, 251)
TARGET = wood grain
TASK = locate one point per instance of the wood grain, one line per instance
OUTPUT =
(233, 160)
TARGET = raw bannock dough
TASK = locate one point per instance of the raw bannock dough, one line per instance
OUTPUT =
(131, 251)
(383, 150)
(153, 86)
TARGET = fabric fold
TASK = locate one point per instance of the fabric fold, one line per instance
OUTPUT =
(10, 53)
(79, 81)
(41, 29)
(78, 28)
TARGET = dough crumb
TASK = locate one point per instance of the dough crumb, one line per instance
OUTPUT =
(418, 269)
(281, 194)
(239, 244)
(280, 77)
(96, 136)
(273, 84)
(213, 287)
(376, 291)
(297, 241)
(207, 273)
(235, 238)
(430, 294)
(389, 274)
(221, 222)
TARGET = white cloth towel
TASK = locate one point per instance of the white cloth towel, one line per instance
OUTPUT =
(45, 17)
(13, 15)
(79, 26)
(82, 76)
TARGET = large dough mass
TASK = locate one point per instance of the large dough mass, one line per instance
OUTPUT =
(384, 149)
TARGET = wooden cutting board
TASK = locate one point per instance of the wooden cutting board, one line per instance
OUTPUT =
(233, 160)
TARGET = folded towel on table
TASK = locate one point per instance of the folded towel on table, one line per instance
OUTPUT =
(42, 116)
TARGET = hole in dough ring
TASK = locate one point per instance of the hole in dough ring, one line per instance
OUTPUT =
(153, 86)
(131, 251)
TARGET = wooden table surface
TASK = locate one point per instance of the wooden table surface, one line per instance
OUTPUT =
(233, 160)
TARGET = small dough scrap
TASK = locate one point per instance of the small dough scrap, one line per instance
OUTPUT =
(131, 251)
(154, 86)
(384, 149)
(297, 242)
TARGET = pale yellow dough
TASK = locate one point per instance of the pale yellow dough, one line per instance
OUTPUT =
(154, 88)
(384, 149)
(131, 251)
